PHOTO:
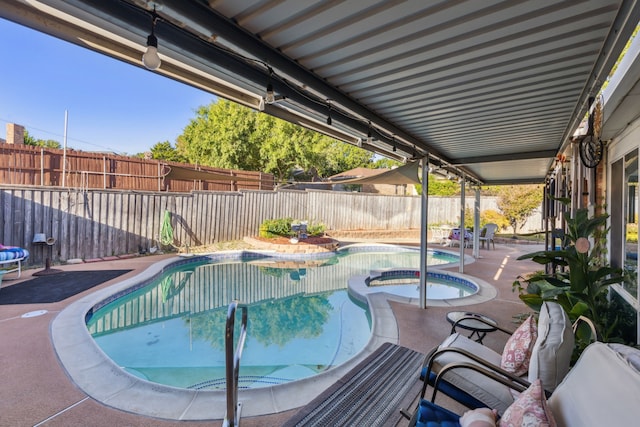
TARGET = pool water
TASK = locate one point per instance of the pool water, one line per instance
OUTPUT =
(301, 320)
(437, 288)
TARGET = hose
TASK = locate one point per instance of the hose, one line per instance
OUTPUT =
(166, 230)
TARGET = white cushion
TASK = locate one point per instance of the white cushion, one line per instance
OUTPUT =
(491, 393)
(602, 389)
(551, 354)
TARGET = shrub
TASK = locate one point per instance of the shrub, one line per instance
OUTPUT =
(495, 217)
(315, 230)
(271, 228)
(632, 233)
(486, 217)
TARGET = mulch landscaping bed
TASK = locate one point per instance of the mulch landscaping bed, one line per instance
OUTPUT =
(287, 240)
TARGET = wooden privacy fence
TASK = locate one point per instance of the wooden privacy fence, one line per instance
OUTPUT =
(28, 165)
(99, 223)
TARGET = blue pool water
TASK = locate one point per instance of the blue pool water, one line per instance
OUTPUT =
(406, 283)
(302, 321)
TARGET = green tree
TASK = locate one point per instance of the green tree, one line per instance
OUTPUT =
(385, 163)
(165, 151)
(442, 187)
(222, 135)
(285, 146)
(518, 202)
(332, 157)
(228, 135)
(49, 143)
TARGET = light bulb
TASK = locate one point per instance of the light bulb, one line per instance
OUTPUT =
(269, 97)
(151, 59)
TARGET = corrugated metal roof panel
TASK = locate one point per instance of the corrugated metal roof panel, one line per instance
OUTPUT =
(458, 79)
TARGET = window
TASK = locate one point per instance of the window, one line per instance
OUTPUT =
(624, 220)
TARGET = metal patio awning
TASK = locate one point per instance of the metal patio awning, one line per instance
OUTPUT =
(492, 90)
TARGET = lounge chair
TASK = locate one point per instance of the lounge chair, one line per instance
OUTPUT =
(12, 257)
(602, 389)
(450, 367)
(486, 235)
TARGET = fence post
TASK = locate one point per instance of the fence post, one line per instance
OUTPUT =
(42, 166)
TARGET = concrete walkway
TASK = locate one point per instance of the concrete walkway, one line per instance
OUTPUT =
(36, 389)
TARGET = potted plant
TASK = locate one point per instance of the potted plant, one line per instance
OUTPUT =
(579, 279)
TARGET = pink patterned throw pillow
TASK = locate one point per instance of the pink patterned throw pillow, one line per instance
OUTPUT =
(517, 351)
(529, 410)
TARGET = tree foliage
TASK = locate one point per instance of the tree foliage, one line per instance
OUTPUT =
(227, 135)
(385, 163)
(518, 202)
(166, 151)
(49, 143)
(442, 187)
(222, 135)
(333, 157)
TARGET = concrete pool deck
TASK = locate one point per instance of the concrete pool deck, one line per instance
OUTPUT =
(37, 390)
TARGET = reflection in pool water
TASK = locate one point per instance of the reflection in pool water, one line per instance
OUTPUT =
(301, 319)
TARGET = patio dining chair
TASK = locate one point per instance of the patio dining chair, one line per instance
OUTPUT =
(486, 235)
(539, 350)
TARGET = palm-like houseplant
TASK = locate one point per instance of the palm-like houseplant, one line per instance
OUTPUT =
(581, 283)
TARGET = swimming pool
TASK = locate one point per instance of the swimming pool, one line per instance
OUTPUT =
(302, 321)
(99, 377)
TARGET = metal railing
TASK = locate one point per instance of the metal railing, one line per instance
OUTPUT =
(232, 363)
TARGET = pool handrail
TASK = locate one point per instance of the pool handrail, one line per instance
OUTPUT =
(232, 362)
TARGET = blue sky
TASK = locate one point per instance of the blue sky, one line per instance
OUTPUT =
(111, 105)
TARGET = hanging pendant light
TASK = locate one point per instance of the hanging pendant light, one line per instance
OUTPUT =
(151, 59)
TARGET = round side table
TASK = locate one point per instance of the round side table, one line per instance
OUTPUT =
(479, 324)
